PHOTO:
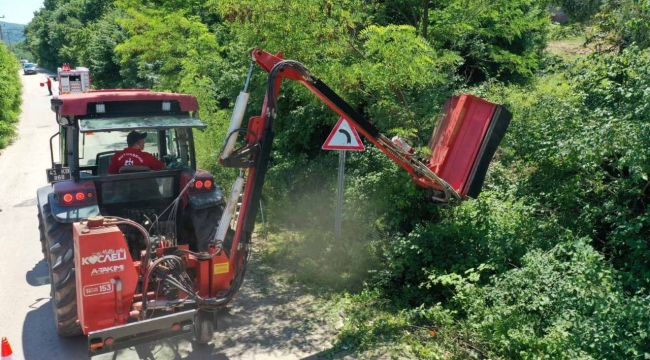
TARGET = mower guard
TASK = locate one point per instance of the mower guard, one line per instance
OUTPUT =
(141, 332)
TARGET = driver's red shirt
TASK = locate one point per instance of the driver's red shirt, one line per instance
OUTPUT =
(129, 157)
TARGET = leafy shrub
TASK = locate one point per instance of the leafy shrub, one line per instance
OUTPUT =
(620, 24)
(491, 230)
(582, 153)
(565, 303)
(10, 88)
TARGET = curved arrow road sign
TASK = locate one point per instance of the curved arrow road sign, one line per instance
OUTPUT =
(343, 137)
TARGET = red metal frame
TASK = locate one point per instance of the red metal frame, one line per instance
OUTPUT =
(458, 143)
(77, 104)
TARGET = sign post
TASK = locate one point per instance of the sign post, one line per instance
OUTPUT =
(339, 196)
(343, 137)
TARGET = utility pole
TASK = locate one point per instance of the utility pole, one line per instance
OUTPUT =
(2, 33)
(9, 43)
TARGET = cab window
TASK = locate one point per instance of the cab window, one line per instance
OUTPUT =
(93, 143)
(177, 143)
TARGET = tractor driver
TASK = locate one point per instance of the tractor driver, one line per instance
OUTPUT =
(133, 155)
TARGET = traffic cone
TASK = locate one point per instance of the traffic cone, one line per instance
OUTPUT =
(7, 354)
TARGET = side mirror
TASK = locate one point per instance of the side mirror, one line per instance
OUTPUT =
(52, 150)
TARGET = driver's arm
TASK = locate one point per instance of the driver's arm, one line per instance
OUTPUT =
(152, 162)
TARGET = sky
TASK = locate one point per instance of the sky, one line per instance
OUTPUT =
(19, 11)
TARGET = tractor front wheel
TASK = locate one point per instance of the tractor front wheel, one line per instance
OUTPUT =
(204, 326)
(59, 253)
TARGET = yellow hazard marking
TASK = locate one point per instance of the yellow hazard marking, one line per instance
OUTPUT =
(221, 268)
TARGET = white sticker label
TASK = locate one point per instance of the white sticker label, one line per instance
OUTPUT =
(99, 289)
(103, 256)
(107, 270)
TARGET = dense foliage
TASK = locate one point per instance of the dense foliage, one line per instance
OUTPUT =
(21, 51)
(10, 96)
(551, 261)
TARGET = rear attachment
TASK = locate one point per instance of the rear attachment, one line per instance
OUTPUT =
(141, 332)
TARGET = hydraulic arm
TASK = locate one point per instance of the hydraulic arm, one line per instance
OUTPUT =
(253, 156)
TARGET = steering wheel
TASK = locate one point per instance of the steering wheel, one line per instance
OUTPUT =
(170, 161)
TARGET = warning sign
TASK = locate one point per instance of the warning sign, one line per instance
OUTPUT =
(221, 268)
(343, 137)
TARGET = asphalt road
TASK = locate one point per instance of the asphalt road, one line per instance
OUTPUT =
(268, 319)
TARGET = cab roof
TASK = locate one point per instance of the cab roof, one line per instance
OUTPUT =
(161, 122)
(77, 104)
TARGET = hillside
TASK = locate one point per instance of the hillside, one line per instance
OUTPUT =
(12, 33)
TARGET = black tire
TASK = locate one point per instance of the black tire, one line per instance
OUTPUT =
(41, 230)
(203, 326)
(205, 223)
(59, 250)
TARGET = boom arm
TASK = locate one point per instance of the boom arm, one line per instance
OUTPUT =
(253, 156)
(279, 68)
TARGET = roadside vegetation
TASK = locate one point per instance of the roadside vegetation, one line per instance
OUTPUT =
(10, 96)
(551, 261)
(19, 49)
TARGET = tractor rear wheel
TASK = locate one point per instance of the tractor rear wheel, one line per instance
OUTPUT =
(59, 251)
(41, 230)
(204, 326)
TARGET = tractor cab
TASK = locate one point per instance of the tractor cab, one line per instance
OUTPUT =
(169, 139)
(93, 127)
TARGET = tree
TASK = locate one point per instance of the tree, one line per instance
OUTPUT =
(161, 43)
(580, 11)
(620, 24)
(101, 38)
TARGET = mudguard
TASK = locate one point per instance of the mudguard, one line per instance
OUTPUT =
(41, 196)
(67, 214)
(70, 214)
(206, 199)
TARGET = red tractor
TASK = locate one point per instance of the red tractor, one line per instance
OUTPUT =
(124, 249)
(123, 246)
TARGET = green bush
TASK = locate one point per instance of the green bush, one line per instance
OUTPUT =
(492, 231)
(620, 24)
(581, 153)
(565, 303)
(10, 95)
(551, 260)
